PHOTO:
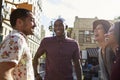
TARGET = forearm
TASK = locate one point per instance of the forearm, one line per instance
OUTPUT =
(6, 69)
(35, 65)
(78, 69)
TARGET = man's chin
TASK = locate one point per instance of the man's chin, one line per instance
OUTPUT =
(31, 33)
(59, 35)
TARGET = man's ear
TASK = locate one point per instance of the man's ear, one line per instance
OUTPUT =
(19, 22)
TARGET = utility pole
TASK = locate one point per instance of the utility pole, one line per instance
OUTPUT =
(0, 15)
(1, 20)
(51, 28)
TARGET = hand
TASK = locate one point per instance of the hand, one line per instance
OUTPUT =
(38, 77)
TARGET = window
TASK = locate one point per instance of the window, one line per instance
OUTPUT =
(88, 38)
(87, 35)
(5, 31)
(74, 36)
(1, 37)
(81, 36)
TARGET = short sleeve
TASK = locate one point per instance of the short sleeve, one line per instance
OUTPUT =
(76, 54)
(12, 49)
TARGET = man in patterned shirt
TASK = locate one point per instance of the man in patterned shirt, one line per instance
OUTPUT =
(15, 57)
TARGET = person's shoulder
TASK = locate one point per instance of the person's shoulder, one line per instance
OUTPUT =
(47, 38)
(18, 37)
(14, 38)
(71, 40)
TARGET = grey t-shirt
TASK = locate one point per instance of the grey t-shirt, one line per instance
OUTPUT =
(109, 59)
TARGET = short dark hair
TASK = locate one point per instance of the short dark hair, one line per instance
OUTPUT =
(63, 21)
(106, 25)
(18, 13)
(59, 19)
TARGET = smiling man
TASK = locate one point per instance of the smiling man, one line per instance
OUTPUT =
(60, 53)
(15, 56)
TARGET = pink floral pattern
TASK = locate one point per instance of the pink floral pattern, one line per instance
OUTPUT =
(15, 49)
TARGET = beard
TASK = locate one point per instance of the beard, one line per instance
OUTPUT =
(35, 32)
(32, 31)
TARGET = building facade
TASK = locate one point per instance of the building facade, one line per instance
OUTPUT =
(83, 32)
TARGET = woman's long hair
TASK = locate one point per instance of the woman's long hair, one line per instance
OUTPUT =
(117, 32)
(117, 35)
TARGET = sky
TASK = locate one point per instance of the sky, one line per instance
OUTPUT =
(68, 9)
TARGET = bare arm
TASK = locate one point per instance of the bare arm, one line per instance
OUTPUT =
(77, 62)
(38, 54)
(6, 69)
(78, 69)
(35, 64)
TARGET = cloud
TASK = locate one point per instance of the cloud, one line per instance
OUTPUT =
(68, 9)
(55, 2)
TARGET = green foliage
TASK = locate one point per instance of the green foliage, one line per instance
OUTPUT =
(117, 18)
(44, 55)
(50, 28)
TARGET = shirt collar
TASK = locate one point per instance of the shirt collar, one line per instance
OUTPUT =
(16, 31)
(60, 39)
